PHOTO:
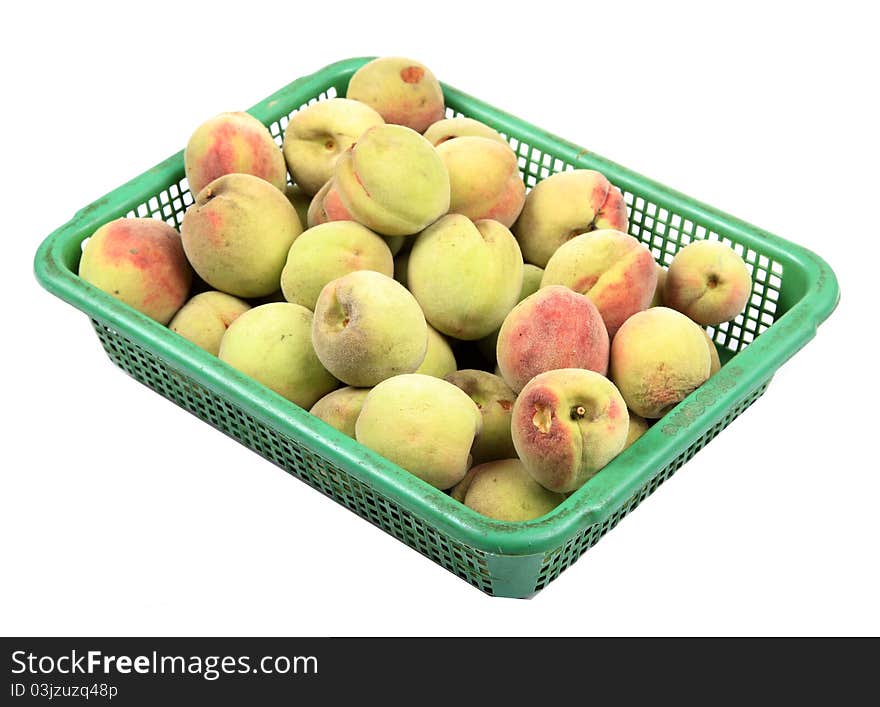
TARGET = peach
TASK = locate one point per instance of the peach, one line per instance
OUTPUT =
(465, 275)
(553, 328)
(401, 90)
(611, 268)
(658, 358)
(657, 299)
(232, 143)
(566, 205)
(532, 275)
(708, 282)
(340, 408)
(237, 235)
(319, 133)
(439, 359)
(300, 201)
(141, 262)
(484, 179)
(206, 317)
(637, 427)
(494, 398)
(714, 359)
(272, 344)
(329, 251)
(391, 180)
(567, 425)
(423, 424)
(316, 215)
(450, 128)
(395, 243)
(367, 328)
(503, 490)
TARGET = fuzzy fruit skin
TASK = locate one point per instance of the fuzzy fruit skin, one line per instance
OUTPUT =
(553, 328)
(141, 262)
(484, 179)
(206, 317)
(329, 251)
(565, 205)
(657, 298)
(367, 328)
(451, 128)
(504, 490)
(391, 180)
(637, 427)
(402, 91)
(658, 358)
(531, 283)
(340, 408)
(708, 282)
(466, 276)
(232, 143)
(611, 268)
(237, 235)
(494, 398)
(423, 424)
(272, 344)
(714, 358)
(567, 425)
(439, 359)
(319, 133)
(300, 201)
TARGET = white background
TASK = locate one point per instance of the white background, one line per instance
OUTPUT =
(122, 514)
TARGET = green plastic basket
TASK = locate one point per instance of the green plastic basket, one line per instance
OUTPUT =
(794, 290)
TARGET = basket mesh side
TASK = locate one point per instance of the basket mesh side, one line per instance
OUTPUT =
(656, 225)
(560, 559)
(464, 561)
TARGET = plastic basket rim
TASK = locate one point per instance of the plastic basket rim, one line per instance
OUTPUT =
(600, 497)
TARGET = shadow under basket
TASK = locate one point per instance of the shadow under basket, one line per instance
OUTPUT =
(793, 291)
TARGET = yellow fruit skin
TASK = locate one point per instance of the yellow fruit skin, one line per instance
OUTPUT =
(658, 357)
(272, 344)
(367, 328)
(237, 235)
(423, 424)
(503, 490)
(206, 317)
(466, 276)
